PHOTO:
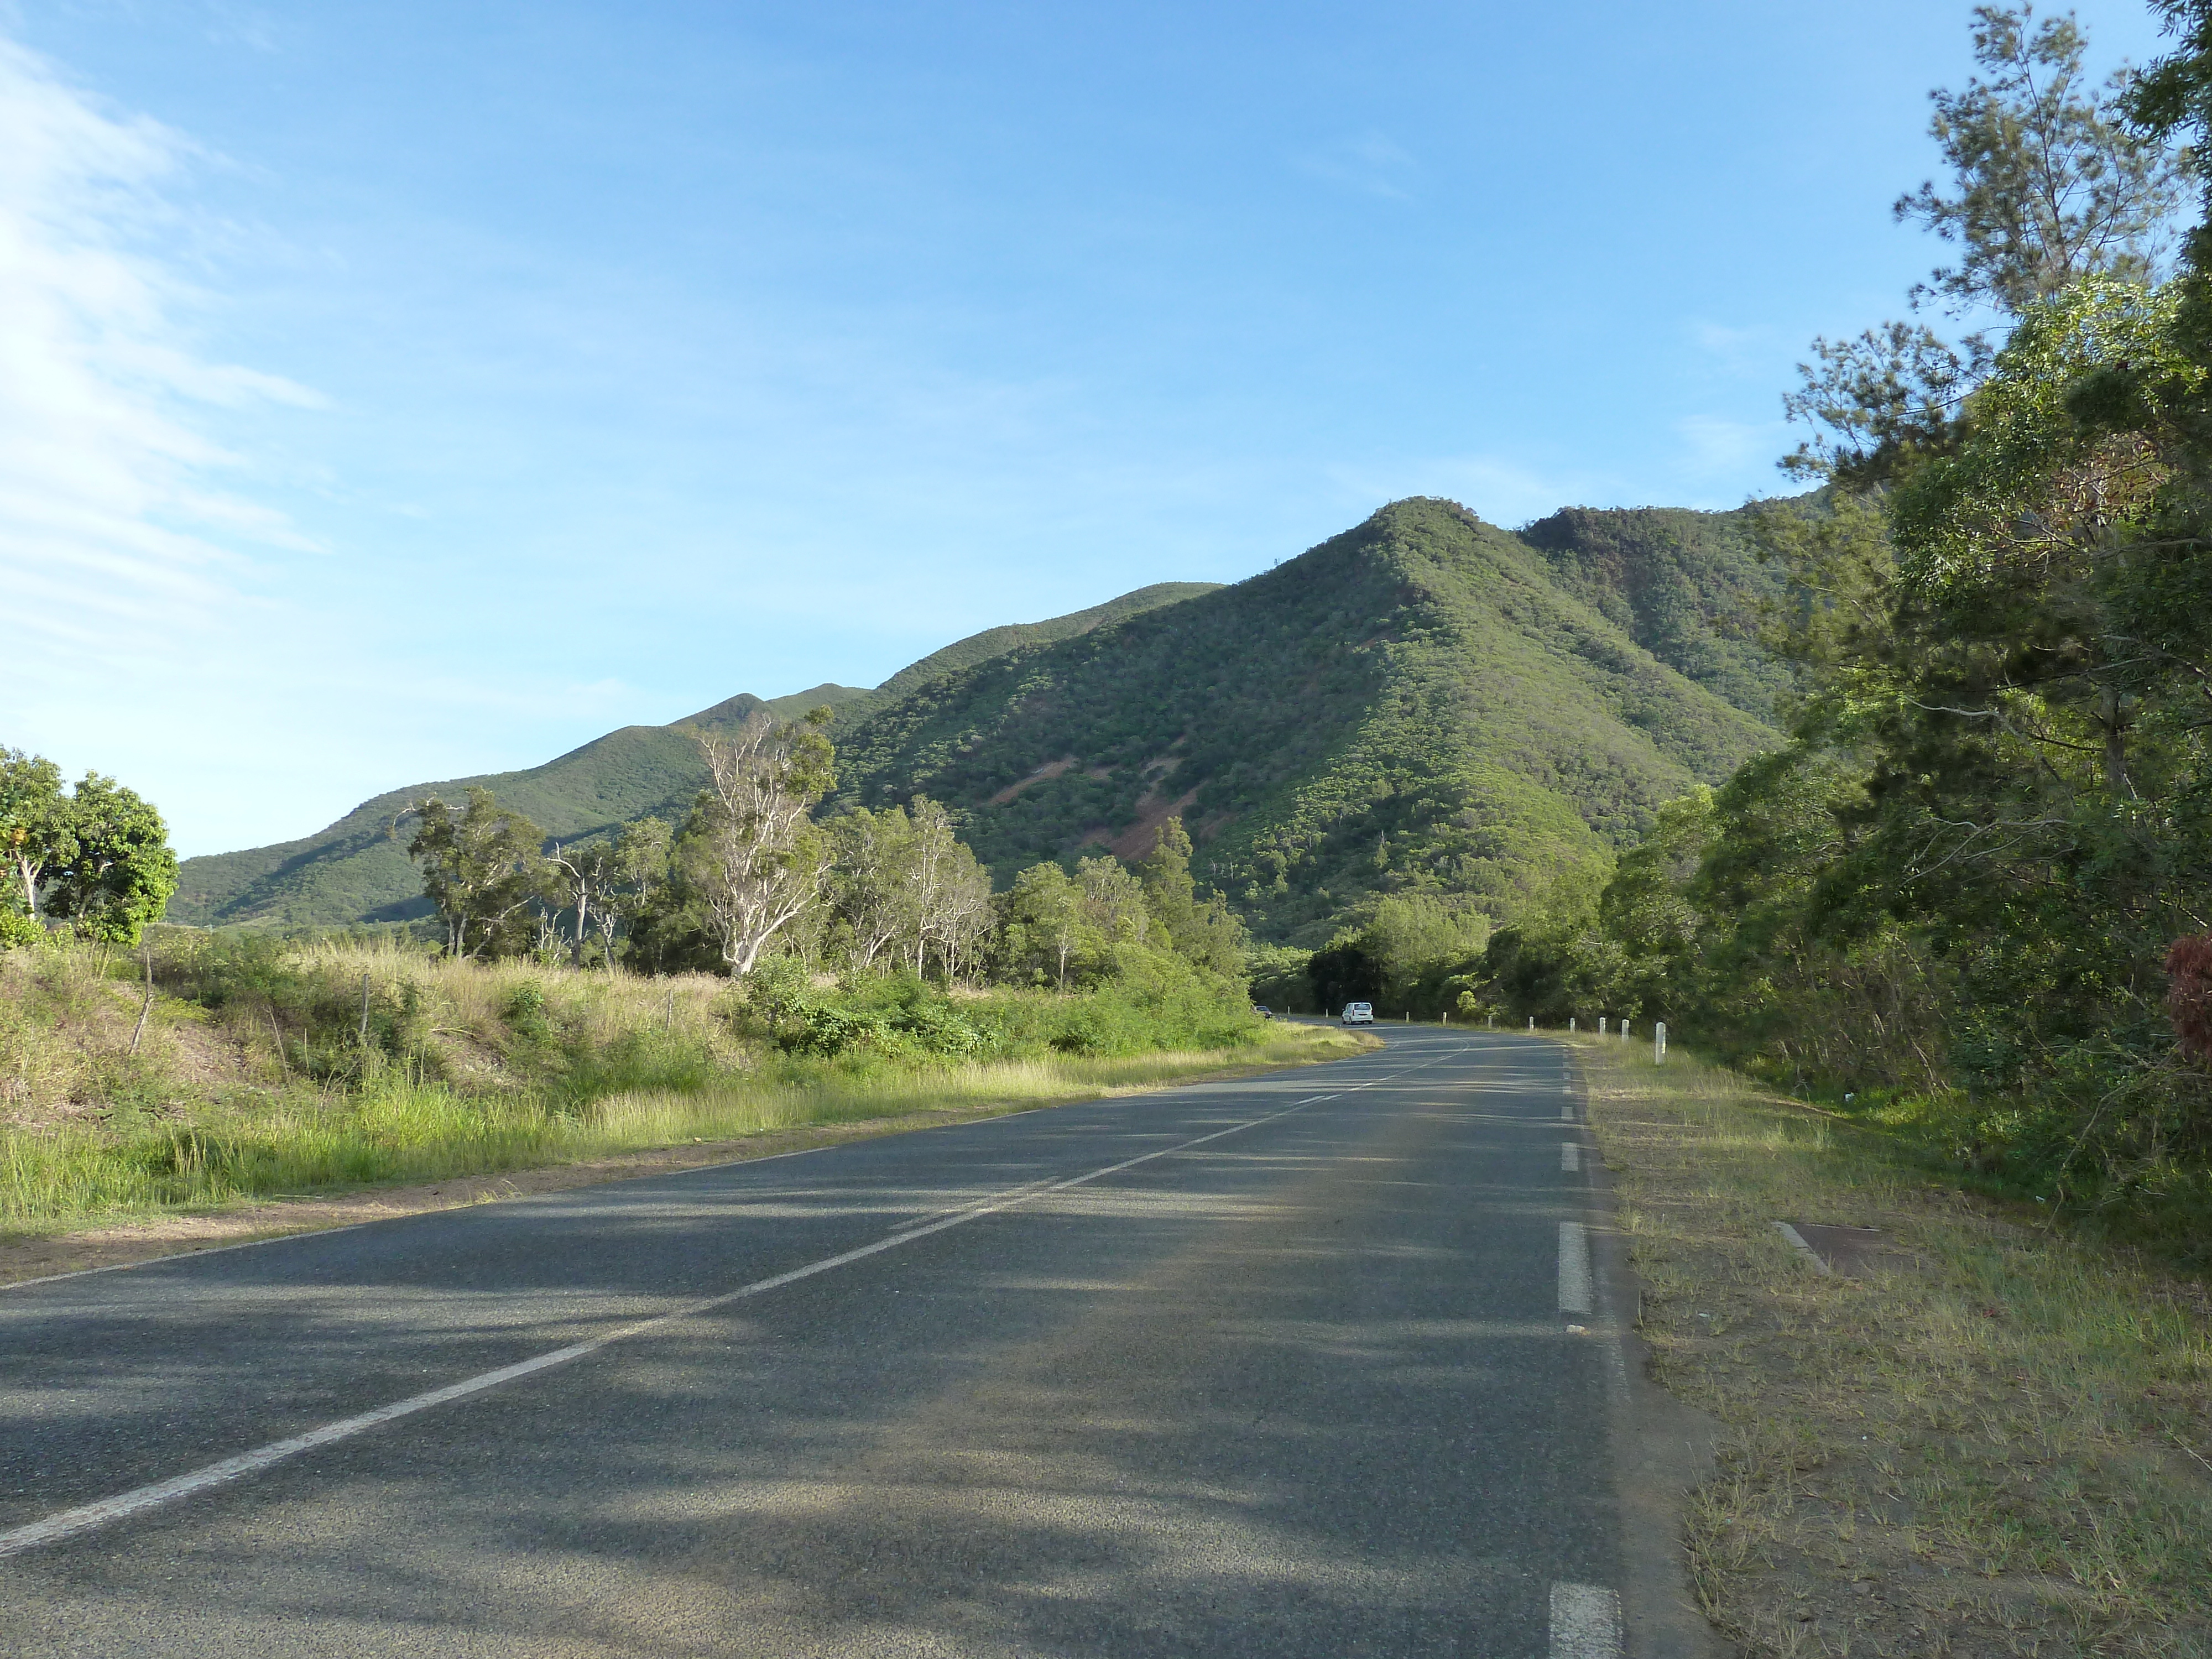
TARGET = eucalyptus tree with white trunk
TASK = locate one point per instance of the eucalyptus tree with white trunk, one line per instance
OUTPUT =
(757, 858)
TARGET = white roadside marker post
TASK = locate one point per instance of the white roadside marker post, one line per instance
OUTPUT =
(1659, 1044)
(1532, 1021)
(1571, 1024)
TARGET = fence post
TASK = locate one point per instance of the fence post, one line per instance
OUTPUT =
(364, 1011)
(1659, 1044)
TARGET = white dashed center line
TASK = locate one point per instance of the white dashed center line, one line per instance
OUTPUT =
(107, 1511)
(1574, 1268)
(1585, 1622)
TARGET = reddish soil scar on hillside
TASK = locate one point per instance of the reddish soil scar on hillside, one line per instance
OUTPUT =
(1050, 769)
(1136, 841)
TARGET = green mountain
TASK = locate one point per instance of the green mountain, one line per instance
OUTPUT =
(1426, 702)
(354, 870)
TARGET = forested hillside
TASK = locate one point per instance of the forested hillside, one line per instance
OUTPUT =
(1689, 587)
(353, 871)
(1417, 705)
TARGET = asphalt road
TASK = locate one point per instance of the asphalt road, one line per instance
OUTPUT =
(1308, 1373)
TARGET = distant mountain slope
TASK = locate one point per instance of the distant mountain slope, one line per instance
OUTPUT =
(997, 641)
(1685, 585)
(353, 871)
(1422, 702)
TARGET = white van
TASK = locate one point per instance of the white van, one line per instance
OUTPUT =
(1359, 1013)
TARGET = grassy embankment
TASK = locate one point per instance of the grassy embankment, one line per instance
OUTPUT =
(1997, 1445)
(251, 1078)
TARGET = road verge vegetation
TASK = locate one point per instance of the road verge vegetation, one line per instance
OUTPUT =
(213, 1071)
(1991, 1438)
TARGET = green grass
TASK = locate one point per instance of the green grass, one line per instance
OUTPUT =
(2000, 1447)
(400, 1131)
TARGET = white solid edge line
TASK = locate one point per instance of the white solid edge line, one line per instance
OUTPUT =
(1574, 1272)
(87, 1517)
(1585, 1622)
(1570, 1158)
(1797, 1243)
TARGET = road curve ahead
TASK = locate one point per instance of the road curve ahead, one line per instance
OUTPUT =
(1312, 1364)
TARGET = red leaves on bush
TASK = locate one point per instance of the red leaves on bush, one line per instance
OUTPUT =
(2189, 994)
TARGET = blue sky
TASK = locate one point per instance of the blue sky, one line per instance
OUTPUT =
(393, 392)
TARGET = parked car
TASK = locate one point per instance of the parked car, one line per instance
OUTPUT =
(1359, 1013)
(1263, 1011)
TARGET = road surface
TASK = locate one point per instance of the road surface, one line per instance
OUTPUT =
(1312, 1364)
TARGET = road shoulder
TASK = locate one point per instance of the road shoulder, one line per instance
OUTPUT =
(1952, 1433)
(1663, 1447)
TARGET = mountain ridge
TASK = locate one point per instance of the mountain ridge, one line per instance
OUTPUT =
(1543, 689)
(1417, 704)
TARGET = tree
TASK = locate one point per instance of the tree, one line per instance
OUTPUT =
(116, 871)
(752, 848)
(1045, 923)
(1203, 931)
(483, 870)
(640, 873)
(2050, 185)
(34, 820)
(950, 893)
(868, 889)
(2053, 183)
(578, 878)
(1114, 900)
(99, 856)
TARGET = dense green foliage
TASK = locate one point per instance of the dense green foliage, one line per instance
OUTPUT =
(1689, 587)
(95, 857)
(1972, 896)
(1418, 705)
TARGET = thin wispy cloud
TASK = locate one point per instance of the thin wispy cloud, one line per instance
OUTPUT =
(1752, 351)
(118, 534)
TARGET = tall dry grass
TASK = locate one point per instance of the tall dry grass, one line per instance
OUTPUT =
(250, 1081)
